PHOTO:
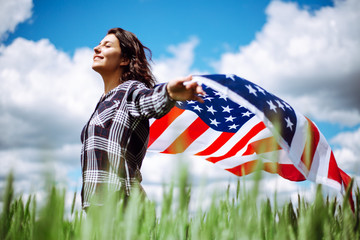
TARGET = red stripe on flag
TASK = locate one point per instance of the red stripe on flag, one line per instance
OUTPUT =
(182, 142)
(287, 171)
(333, 172)
(217, 144)
(262, 146)
(313, 137)
(244, 169)
(160, 125)
(240, 144)
(290, 172)
(347, 180)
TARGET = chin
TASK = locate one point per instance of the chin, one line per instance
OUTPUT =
(96, 67)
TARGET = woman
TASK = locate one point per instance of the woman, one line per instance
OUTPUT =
(115, 138)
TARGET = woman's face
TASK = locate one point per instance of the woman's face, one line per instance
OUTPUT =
(107, 55)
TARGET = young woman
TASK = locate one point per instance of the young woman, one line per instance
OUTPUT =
(114, 140)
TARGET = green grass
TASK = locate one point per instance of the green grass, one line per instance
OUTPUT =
(242, 216)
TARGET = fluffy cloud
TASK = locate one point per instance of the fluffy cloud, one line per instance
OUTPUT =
(309, 58)
(45, 99)
(179, 65)
(12, 13)
(348, 151)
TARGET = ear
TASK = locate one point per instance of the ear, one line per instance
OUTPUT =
(124, 62)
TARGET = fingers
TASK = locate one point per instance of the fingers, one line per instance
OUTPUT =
(195, 90)
(199, 90)
(186, 79)
(195, 87)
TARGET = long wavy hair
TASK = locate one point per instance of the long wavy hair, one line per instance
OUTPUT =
(137, 54)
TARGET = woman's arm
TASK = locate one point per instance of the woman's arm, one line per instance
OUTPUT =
(156, 102)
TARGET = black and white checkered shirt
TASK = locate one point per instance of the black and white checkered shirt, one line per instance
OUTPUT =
(114, 141)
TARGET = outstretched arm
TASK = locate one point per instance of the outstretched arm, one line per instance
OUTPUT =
(182, 89)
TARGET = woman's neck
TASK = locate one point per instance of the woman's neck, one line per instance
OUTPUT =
(111, 81)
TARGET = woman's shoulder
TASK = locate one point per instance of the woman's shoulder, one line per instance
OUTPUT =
(129, 87)
(132, 84)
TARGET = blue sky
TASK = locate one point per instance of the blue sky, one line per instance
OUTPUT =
(220, 25)
(306, 52)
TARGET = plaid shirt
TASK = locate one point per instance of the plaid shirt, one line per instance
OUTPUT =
(114, 141)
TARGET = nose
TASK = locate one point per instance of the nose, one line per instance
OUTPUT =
(97, 49)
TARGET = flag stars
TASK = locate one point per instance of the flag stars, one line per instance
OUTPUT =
(227, 109)
(246, 114)
(251, 90)
(229, 119)
(280, 105)
(191, 102)
(197, 108)
(211, 109)
(217, 93)
(234, 126)
(260, 90)
(222, 96)
(208, 99)
(289, 124)
(214, 122)
(231, 76)
(271, 105)
(287, 105)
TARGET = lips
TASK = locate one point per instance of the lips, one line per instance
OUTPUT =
(97, 57)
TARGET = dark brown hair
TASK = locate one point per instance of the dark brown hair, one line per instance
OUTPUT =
(134, 51)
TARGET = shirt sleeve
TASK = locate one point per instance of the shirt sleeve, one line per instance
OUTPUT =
(148, 103)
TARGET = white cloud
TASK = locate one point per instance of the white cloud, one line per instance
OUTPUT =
(12, 13)
(310, 59)
(167, 68)
(46, 96)
(33, 167)
(45, 99)
(348, 152)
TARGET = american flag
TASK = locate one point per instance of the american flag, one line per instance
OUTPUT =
(240, 125)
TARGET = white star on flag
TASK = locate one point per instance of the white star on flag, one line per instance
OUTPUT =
(231, 76)
(247, 114)
(214, 122)
(211, 109)
(226, 109)
(234, 126)
(280, 105)
(272, 106)
(251, 90)
(260, 90)
(230, 118)
(287, 105)
(289, 124)
(197, 108)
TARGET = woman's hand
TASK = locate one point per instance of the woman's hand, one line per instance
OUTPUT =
(182, 89)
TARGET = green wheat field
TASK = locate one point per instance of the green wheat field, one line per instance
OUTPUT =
(242, 215)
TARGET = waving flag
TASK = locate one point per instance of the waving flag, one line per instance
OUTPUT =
(239, 125)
